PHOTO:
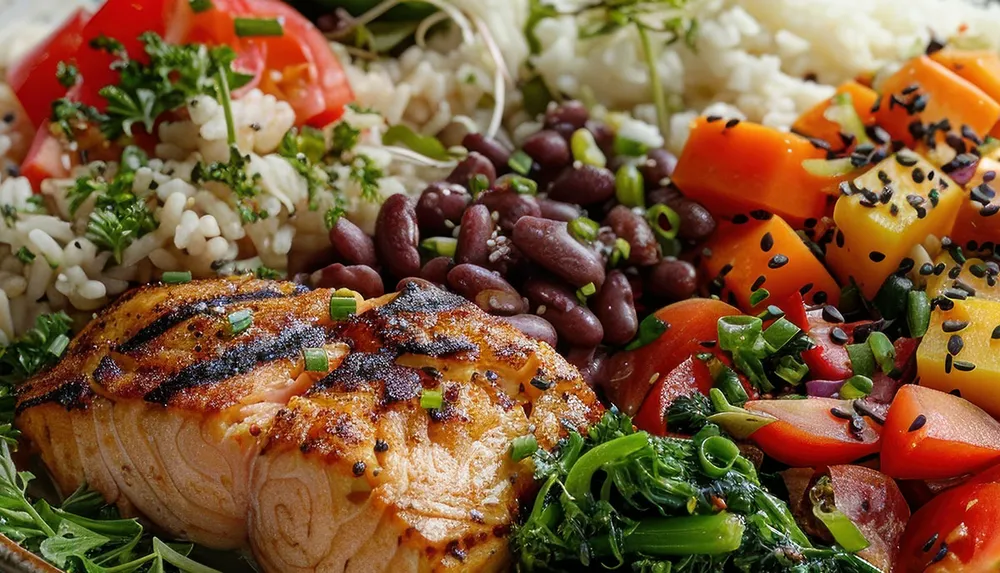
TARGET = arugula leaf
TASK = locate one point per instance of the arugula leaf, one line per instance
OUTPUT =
(70, 540)
(30, 353)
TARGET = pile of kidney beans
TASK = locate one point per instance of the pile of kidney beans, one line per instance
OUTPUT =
(515, 250)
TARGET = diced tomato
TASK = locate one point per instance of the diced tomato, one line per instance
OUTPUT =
(44, 159)
(807, 433)
(33, 77)
(874, 503)
(795, 311)
(691, 322)
(933, 435)
(689, 377)
(310, 77)
(956, 532)
(828, 360)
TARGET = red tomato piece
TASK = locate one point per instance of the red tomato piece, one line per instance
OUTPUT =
(45, 159)
(689, 377)
(933, 435)
(807, 433)
(795, 311)
(874, 503)
(309, 75)
(33, 77)
(691, 322)
(956, 532)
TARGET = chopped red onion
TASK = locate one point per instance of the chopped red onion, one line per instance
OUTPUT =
(823, 388)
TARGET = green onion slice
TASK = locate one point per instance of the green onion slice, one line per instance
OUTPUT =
(844, 531)
(585, 148)
(520, 162)
(431, 399)
(523, 447)
(717, 456)
(342, 307)
(885, 353)
(629, 147)
(198, 6)
(659, 214)
(249, 27)
(737, 332)
(780, 333)
(584, 229)
(629, 186)
(842, 112)
(440, 246)
(725, 379)
(829, 167)
(58, 345)
(316, 359)
(621, 252)
(918, 313)
(176, 277)
(240, 321)
(856, 386)
(758, 296)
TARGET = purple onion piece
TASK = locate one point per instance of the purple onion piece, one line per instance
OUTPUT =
(823, 388)
(963, 175)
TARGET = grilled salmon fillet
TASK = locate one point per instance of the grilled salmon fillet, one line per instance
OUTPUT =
(224, 438)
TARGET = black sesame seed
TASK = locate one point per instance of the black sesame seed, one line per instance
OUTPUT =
(831, 314)
(926, 269)
(840, 238)
(9, 117)
(943, 303)
(359, 468)
(810, 223)
(761, 215)
(894, 210)
(989, 176)
(541, 383)
(910, 89)
(966, 287)
(777, 261)
(956, 294)
(941, 554)
(838, 336)
(877, 105)
(989, 210)
(766, 242)
(713, 118)
(820, 297)
(857, 427)
(708, 343)
(956, 392)
(954, 272)
(955, 344)
(740, 219)
(915, 200)
(970, 134)
(381, 446)
(996, 333)
(732, 123)
(949, 361)
(918, 423)
(725, 270)
(930, 542)
(964, 366)
(759, 282)
(863, 409)
(906, 159)
(805, 288)
(876, 257)
(939, 268)
(918, 175)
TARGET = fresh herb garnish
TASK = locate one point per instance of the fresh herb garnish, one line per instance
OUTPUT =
(30, 353)
(251, 27)
(198, 6)
(67, 74)
(234, 175)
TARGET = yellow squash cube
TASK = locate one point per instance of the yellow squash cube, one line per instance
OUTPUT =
(974, 273)
(882, 214)
(960, 352)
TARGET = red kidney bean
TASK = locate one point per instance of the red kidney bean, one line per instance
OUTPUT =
(360, 278)
(603, 135)
(487, 289)
(558, 304)
(510, 206)
(473, 164)
(658, 167)
(548, 149)
(558, 211)
(489, 148)
(696, 221)
(573, 112)
(440, 208)
(614, 308)
(565, 129)
(397, 236)
(417, 281)
(477, 229)
(591, 362)
(549, 244)
(352, 245)
(534, 326)
(436, 270)
(673, 279)
(584, 185)
(644, 249)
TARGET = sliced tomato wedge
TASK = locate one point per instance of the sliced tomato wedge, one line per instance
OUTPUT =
(806, 432)
(691, 323)
(933, 435)
(44, 159)
(302, 69)
(33, 77)
(874, 503)
(956, 532)
(689, 377)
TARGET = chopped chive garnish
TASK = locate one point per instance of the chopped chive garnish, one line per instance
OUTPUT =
(240, 321)
(780, 333)
(198, 6)
(316, 359)
(176, 277)
(440, 246)
(342, 307)
(629, 186)
(520, 162)
(247, 27)
(477, 184)
(660, 214)
(621, 252)
(629, 147)
(523, 185)
(585, 291)
(584, 229)
(856, 386)
(523, 447)
(758, 296)
(431, 399)
(25, 256)
(58, 345)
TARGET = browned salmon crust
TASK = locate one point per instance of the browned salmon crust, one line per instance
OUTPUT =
(224, 439)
